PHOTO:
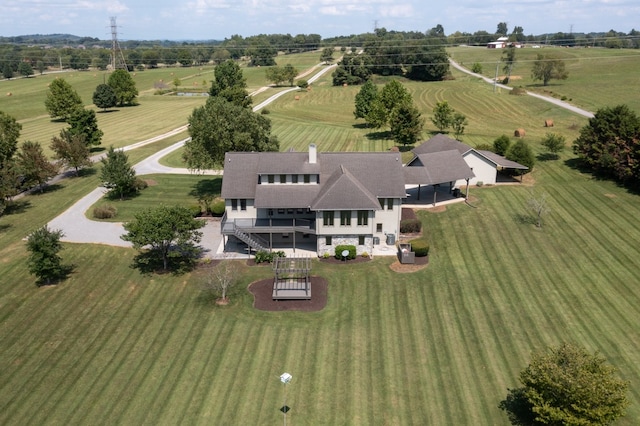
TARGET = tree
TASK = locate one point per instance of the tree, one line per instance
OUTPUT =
(7, 71)
(521, 152)
(290, 72)
(608, 144)
(442, 115)
(554, 143)
(44, 261)
(275, 75)
(84, 122)
(327, 55)
(123, 86)
(392, 96)
(567, 385)
(509, 59)
(168, 231)
(34, 166)
(540, 206)
(548, 67)
(364, 99)
(230, 84)
(406, 124)
(9, 176)
(220, 279)
(501, 144)
(9, 134)
(104, 97)
(219, 127)
(71, 150)
(502, 29)
(25, 69)
(41, 66)
(459, 123)
(117, 175)
(62, 100)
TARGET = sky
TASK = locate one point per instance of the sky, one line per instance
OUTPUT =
(219, 19)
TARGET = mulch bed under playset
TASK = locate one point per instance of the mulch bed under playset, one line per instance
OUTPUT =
(263, 292)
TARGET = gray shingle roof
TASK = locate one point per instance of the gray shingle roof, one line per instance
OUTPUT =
(440, 143)
(359, 179)
(343, 191)
(500, 161)
(437, 167)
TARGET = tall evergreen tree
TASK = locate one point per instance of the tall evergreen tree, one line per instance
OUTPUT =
(84, 122)
(117, 174)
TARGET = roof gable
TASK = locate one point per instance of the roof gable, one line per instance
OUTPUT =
(438, 167)
(343, 191)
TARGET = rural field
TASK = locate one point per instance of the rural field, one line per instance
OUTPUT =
(439, 346)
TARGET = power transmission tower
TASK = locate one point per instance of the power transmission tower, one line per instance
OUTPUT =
(117, 57)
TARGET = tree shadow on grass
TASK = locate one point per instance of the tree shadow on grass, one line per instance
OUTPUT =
(180, 262)
(17, 207)
(65, 271)
(579, 165)
(547, 156)
(381, 135)
(518, 408)
(361, 126)
(211, 187)
(97, 149)
(524, 219)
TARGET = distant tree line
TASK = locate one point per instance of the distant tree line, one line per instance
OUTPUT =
(41, 52)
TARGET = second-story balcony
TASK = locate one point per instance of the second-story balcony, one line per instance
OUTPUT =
(267, 225)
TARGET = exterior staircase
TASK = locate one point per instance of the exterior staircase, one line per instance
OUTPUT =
(253, 241)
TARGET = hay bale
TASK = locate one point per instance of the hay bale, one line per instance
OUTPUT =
(394, 149)
(548, 123)
(519, 133)
(297, 98)
(9, 94)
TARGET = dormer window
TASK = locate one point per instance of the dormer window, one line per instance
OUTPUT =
(271, 178)
(283, 178)
(294, 178)
(307, 178)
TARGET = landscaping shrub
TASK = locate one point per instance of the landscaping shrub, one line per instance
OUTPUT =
(420, 247)
(264, 256)
(195, 210)
(349, 247)
(518, 91)
(410, 226)
(140, 184)
(217, 209)
(107, 211)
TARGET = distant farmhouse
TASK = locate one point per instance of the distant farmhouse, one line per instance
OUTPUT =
(502, 43)
(324, 199)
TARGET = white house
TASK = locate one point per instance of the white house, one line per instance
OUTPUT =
(326, 199)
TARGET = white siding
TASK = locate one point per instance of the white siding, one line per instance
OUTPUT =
(484, 170)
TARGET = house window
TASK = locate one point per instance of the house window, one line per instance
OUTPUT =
(307, 178)
(270, 212)
(294, 178)
(327, 218)
(327, 240)
(382, 203)
(361, 240)
(283, 178)
(234, 204)
(345, 218)
(378, 227)
(389, 203)
(271, 178)
(243, 204)
(280, 211)
(363, 217)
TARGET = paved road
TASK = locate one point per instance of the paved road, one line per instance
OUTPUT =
(555, 101)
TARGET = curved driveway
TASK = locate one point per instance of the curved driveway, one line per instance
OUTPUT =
(77, 228)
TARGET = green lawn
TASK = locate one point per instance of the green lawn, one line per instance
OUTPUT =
(439, 346)
(163, 189)
(597, 77)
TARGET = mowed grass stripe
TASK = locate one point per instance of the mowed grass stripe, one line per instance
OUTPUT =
(123, 352)
(72, 345)
(57, 339)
